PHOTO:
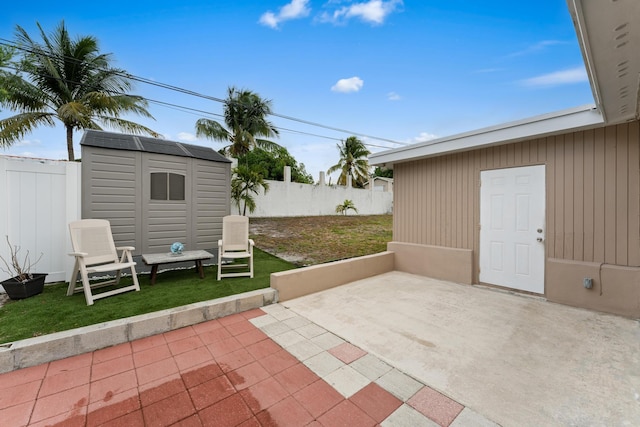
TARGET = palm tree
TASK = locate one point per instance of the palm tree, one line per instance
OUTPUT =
(245, 119)
(345, 206)
(245, 181)
(353, 162)
(66, 80)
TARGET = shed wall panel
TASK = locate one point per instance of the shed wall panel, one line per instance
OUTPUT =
(592, 186)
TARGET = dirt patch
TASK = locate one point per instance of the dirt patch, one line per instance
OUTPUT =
(320, 239)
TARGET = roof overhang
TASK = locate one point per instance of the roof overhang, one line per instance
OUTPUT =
(537, 127)
(609, 37)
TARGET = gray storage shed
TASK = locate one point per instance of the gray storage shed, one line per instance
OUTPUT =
(155, 192)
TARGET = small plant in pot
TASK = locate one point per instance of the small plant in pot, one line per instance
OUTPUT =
(23, 283)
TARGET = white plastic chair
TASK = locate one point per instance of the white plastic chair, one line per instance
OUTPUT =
(95, 252)
(235, 244)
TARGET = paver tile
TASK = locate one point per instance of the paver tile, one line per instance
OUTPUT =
(69, 403)
(347, 381)
(231, 411)
(252, 314)
(265, 319)
(168, 411)
(435, 405)
(114, 407)
(157, 370)
(288, 338)
(106, 388)
(296, 322)
(161, 390)
(191, 358)
(111, 367)
(112, 352)
(151, 355)
(406, 416)
(23, 376)
(304, 350)
(232, 361)
(179, 334)
(224, 346)
(323, 363)
(238, 328)
(347, 352)
(211, 392)
(209, 325)
(133, 419)
(148, 342)
(278, 361)
(17, 415)
(327, 340)
(247, 375)
(251, 337)
(201, 374)
(318, 397)
(287, 412)
(283, 314)
(376, 402)
(62, 381)
(20, 393)
(69, 364)
(263, 348)
(185, 344)
(275, 328)
(400, 385)
(231, 319)
(469, 417)
(311, 330)
(296, 377)
(371, 367)
(214, 335)
(346, 414)
(263, 395)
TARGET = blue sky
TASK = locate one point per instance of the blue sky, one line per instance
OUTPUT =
(398, 70)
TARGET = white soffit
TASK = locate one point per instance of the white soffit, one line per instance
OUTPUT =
(536, 127)
(608, 32)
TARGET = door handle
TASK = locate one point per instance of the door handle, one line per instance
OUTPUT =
(539, 239)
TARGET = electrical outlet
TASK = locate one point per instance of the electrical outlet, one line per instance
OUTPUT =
(588, 282)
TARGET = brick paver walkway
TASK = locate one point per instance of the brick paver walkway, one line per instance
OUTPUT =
(265, 367)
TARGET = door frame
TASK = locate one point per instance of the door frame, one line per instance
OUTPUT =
(542, 167)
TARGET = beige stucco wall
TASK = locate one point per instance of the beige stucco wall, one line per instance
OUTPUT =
(592, 201)
(439, 262)
(307, 280)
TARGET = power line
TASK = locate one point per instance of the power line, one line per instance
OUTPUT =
(167, 86)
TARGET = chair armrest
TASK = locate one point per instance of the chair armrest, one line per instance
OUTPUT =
(80, 254)
(251, 242)
(220, 243)
(125, 248)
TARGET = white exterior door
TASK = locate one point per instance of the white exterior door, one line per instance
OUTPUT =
(512, 213)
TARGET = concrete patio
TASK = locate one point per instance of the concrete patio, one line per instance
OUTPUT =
(517, 360)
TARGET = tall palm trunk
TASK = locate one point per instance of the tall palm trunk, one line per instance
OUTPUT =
(70, 142)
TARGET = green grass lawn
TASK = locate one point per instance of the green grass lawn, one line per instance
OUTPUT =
(52, 311)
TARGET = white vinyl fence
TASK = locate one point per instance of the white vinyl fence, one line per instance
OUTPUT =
(38, 198)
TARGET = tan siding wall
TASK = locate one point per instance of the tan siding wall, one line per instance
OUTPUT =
(593, 195)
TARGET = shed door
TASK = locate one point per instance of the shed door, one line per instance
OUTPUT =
(512, 213)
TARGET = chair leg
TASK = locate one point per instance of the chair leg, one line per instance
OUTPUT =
(219, 264)
(134, 275)
(251, 265)
(88, 296)
(74, 279)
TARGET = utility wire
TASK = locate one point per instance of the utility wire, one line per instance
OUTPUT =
(8, 43)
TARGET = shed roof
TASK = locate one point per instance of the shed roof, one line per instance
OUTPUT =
(609, 39)
(121, 141)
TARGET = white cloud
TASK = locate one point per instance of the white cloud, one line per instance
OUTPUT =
(423, 137)
(372, 11)
(392, 96)
(293, 10)
(186, 136)
(563, 77)
(353, 84)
